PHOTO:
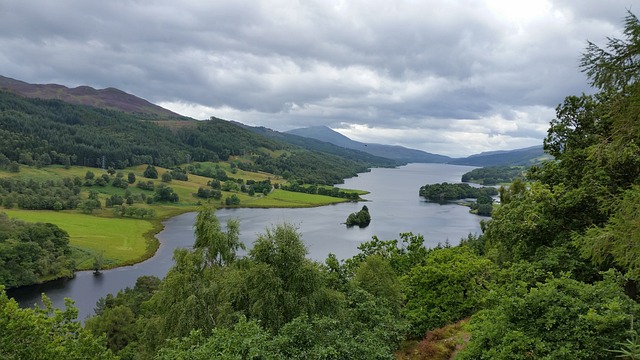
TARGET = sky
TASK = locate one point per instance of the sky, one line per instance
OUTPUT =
(448, 77)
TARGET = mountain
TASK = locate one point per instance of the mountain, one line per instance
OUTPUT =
(108, 98)
(526, 156)
(394, 152)
(39, 132)
(324, 146)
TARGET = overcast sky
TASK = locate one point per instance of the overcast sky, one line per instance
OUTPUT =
(448, 77)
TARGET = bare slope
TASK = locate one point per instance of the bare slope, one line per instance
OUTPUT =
(109, 98)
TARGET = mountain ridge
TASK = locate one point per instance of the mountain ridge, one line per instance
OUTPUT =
(394, 152)
(109, 98)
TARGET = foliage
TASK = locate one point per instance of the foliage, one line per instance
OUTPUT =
(150, 172)
(219, 247)
(451, 285)
(492, 175)
(45, 333)
(30, 252)
(617, 241)
(165, 193)
(444, 192)
(41, 195)
(282, 283)
(320, 190)
(361, 218)
(559, 319)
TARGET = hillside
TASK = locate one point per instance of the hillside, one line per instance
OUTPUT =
(394, 152)
(108, 98)
(525, 157)
(41, 132)
(325, 146)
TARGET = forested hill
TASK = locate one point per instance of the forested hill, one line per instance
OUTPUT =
(108, 98)
(523, 157)
(42, 132)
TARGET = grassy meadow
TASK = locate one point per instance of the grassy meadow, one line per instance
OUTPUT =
(125, 241)
(121, 240)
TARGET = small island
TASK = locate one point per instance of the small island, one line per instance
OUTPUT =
(361, 218)
(445, 192)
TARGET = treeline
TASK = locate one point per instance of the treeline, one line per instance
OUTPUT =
(445, 192)
(493, 175)
(31, 252)
(320, 190)
(65, 194)
(41, 195)
(40, 132)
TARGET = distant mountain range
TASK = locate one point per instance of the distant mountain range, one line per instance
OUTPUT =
(393, 152)
(109, 98)
(526, 156)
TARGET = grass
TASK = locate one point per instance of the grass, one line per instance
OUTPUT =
(281, 198)
(126, 241)
(439, 344)
(122, 240)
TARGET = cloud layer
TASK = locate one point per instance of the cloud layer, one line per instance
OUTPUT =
(449, 77)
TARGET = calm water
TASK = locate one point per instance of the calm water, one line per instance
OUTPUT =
(394, 205)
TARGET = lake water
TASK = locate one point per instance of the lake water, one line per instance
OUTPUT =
(393, 203)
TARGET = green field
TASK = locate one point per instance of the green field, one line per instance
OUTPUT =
(126, 241)
(281, 198)
(123, 240)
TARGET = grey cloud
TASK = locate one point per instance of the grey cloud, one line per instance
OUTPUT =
(396, 65)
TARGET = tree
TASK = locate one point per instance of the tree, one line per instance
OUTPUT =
(45, 333)
(232, 200)
(150, 172)
(617, 66)
(98, 262)
(282, 283)
(617, 241)
(376, 276)
(131, 178)
(166, 177)
(452, 284)
(220, 247)
(361, 218)
(165, 193)
(559, 319)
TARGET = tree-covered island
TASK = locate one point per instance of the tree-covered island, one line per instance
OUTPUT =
(447, 192)
(361, 218)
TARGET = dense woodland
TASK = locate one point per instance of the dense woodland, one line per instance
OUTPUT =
(494, 175)
(553, 276)
(30, 252)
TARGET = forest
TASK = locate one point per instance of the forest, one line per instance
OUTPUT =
(554, 274)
